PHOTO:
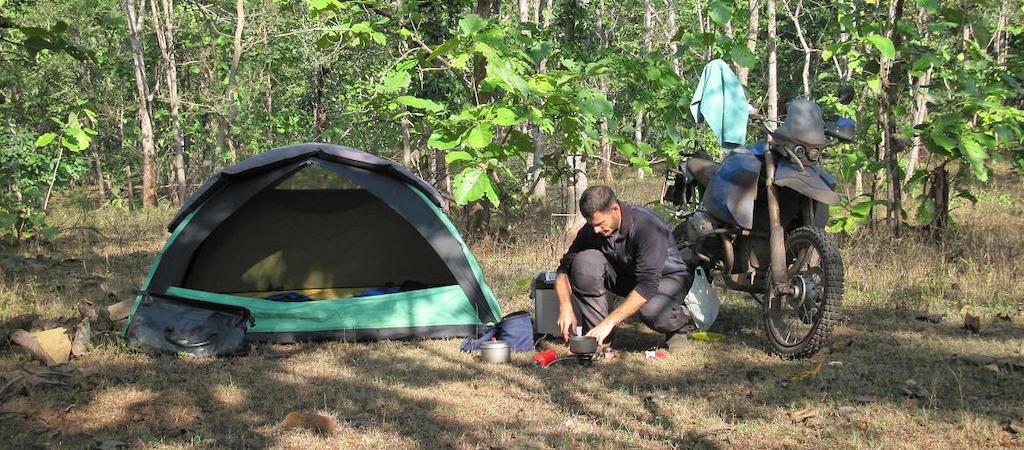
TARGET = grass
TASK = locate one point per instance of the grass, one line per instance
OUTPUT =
(427, 394)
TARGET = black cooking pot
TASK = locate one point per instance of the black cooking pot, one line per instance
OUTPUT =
(583, 345)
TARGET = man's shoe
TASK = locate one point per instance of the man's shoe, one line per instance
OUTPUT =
(679, 339)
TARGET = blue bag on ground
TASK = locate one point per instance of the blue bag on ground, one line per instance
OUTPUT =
(515, 328)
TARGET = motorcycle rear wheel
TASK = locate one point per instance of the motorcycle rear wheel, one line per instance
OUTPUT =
(799, 325)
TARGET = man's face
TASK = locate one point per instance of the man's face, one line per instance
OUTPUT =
(607, 222)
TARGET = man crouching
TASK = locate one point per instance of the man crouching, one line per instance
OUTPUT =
(630, 251)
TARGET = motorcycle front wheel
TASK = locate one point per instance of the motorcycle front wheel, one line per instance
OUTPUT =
(799, 324)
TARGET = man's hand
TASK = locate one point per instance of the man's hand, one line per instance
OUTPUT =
(601, 332)
(566, 321)
(566, 316)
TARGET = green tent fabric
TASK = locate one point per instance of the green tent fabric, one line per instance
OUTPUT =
(720, 101)
(317, 218)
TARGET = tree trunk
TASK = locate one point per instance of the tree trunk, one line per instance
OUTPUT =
(886, 102)
(939, 191)
(605, 144)
(409, 159)
(673, 46)
(743, 73)
(319, 104)
(773, 65)
(638, 131)
(163, 26)
(145, 122)
(131, 187)
(537, 186)
(98, 173)
(225, 134)
(920, 105)
(795, 17)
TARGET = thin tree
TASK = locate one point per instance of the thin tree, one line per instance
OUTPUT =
(161, 18)
(142, 88)
(886, 103)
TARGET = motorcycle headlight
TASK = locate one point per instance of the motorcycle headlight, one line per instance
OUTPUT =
(813, 154)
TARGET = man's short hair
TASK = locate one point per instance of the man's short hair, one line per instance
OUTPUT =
(596, 198)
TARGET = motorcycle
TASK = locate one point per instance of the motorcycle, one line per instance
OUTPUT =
(755, 223)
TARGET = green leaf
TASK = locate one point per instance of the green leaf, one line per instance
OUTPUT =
(49, 233)
(938, 136)
(967, 195)
(480, 136)
(593, 103)
(883, 44)
(721, 12)
(45, 139)
(7, 220)
(862, 209)
(442, 140)
(875, 84)
(394, 82)
(443, 49)
(976, 154)
(521, 141)
(539, 51)
(470, 185)
(456, 156)
(471, 24)
(493, 37)
(420, 103)
(511, 80)
(320, 5)
(504, 117)
(742, 56)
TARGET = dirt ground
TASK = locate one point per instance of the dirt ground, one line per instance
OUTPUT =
(888, 381)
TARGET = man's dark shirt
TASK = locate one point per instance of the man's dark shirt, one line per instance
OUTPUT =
(642, 247)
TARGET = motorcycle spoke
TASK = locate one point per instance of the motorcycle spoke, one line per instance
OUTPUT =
(801, 260)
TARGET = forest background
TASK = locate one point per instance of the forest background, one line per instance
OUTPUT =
(505, 104)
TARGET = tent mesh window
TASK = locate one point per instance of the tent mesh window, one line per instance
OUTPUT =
(318, 234)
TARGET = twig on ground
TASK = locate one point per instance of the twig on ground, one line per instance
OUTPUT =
(9, 383)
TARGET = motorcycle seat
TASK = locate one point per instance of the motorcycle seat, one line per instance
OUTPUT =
(702, 170)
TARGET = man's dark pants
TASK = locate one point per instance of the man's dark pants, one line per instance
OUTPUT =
(592, 277)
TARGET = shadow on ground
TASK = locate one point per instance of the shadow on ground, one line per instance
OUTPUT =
(427, 394)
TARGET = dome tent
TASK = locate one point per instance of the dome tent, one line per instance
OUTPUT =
(360, 240)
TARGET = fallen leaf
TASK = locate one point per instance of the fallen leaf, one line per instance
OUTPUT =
(803, 414)
(316, 422)
(972, 323)
(120, 310)
(806, 373)
(865, 399)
